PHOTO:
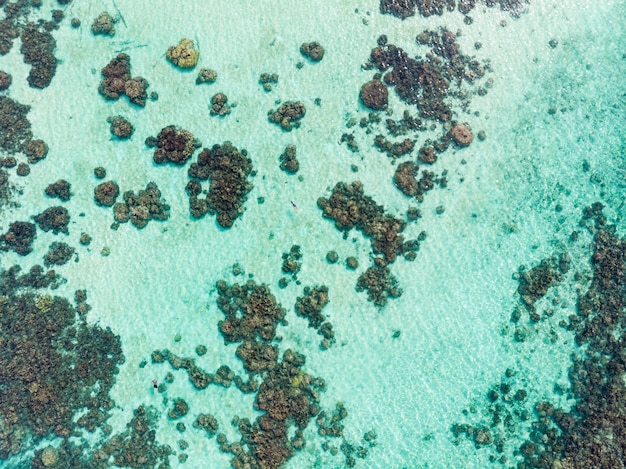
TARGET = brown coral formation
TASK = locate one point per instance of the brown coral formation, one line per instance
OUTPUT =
(374, 95)
(38, 50)
(116, 81)
(534, 283)
(288, 115)
(206, 75)
(219, 105)
(380, 285)
(255, 313)
(404, 8)
(310, 307)
(394, 150)
(19, 238)
(312, 50)
(427, 82)
(349, 208)
(35, 150)
(174, 145)
(59, 253)
(461, 135)
(592, 433)
(46, 344)
(103, 24)
(55, 219)
(288, 161)
(142, 207)
(228, 170)
(15, 131)
(121, 127)
(106, 193)
(184, 55)
(5, 80)
(405, 178)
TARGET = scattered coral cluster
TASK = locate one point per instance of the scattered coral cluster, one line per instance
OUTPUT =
(47, 343)
(104, 24)
(349, 208)
(184, 55)
(288, 161)
(138, 208)
(405, 8)
(292, 263)
(288, 115)
(228, 170)
(287, 396)
(173, 145)
(116, 81)
(310, 307)
(591, 433)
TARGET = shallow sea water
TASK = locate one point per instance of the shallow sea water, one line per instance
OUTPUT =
(458, 294)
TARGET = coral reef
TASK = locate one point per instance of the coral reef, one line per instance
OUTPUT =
(349, 208)
(15, 130)
(60, 189)
(288, 161)
(206, 422)
(116, 81)
(461, 135)
(310, 307)
(137, 446)
(99, 172)
(256, 356)
(394, 150)
(288, 115)
(142, 207)
(591, 433)
(19, 238)
(47, 344)
(374, 95)
(427, 155)
(121, 127)
(22, 169)
(292, 261)
(534, 284)
(38, 50)
(228, 169)
(380, 285)
(105, 194)
(405, 179)
(206, 75)
(184, 55)
(219, 105)
(103, 24)
(55, 219)
(255, 313)
(35, 150)
(312, 50)
(406, 8)
(267, 80)
(427, 82)
(59, 253)
(173, 145)
(5, 80)
(7, 188)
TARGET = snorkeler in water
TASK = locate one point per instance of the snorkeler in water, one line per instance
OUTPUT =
(155, 386)
(295, 207)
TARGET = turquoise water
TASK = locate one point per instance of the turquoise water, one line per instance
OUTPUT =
(500, 207)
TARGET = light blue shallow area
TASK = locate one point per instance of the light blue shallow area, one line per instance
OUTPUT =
(456, 340)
